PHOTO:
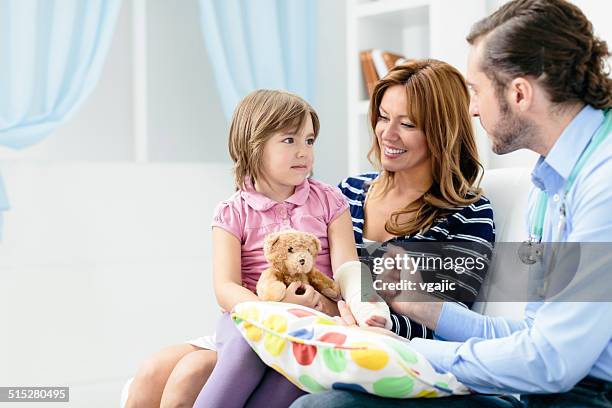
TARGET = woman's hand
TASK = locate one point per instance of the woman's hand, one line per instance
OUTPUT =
(393, 276)
(309, 298)
(426, 312)
(389, 276)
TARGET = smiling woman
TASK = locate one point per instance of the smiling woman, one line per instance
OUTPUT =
(424, 140)
(426, 188)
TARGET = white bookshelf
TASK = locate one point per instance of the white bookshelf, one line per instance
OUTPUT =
(413, 28)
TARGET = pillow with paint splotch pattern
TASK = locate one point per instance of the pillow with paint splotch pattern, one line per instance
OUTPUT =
(316, 353)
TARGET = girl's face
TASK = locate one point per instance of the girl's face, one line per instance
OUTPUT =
(288, 157)
(403, 147)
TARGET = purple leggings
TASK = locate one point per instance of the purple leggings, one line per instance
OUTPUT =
(240, 378)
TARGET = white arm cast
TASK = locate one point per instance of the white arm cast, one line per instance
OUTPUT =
(349, 278)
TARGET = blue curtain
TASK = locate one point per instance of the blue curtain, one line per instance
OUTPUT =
(51, 52)
(260, 44)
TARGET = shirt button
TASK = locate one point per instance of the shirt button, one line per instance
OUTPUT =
(556, 198)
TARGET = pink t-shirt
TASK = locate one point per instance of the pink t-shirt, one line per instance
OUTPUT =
(250, 216)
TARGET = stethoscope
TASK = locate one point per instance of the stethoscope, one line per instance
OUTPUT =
(531, 251)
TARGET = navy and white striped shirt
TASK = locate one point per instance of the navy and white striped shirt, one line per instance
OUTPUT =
(472, 223)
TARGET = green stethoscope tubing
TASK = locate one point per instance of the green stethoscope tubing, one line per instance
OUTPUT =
(537, 227)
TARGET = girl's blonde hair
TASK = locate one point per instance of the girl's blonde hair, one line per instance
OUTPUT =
(257, 117)
(438, 104)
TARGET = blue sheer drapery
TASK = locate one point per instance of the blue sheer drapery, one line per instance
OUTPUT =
(260, 44)
(52, 53)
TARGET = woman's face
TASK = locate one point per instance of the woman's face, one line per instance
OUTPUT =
(403, 147)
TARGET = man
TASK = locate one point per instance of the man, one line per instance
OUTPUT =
(538, 81)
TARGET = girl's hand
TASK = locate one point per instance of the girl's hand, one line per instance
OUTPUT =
(309, 298)
(376, 321)
(346, 318)
(328, 306)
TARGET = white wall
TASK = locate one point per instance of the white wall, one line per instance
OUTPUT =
(331, 150)
(101, 129)
(185, 120)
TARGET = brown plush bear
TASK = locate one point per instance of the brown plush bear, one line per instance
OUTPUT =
(291, 255)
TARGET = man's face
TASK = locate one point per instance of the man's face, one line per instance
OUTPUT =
(507, 129)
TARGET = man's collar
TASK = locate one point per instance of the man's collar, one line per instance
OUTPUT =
(552, 171)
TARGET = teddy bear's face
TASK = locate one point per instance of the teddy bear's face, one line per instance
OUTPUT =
(299, 260)
(293, 252)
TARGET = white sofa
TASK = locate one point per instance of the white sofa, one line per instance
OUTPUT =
(103, 263)
(508, 190)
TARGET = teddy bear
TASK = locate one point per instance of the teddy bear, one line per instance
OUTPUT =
(291, 255)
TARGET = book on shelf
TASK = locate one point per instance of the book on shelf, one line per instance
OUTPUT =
(375, 64)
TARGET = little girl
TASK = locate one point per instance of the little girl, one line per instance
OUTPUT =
(271, 143)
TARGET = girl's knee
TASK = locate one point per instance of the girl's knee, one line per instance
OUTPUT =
(146, 388)
(150, 371)
(188, 378)
(150, 380)
(207, 359)
(156, 368)
(197, 363)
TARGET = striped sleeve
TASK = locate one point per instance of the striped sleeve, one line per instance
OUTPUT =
(353, 189)
(405, 327)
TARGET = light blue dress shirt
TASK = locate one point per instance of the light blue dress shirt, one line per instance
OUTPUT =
(557, 343)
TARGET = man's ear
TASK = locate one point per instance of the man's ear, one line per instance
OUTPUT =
(521, 94)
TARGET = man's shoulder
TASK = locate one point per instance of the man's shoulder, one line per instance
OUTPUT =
(597, 171)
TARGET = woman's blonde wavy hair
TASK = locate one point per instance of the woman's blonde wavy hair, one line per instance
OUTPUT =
(438, 104)
(257, 117)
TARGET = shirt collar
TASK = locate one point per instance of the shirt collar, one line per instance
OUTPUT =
(551, 172)
(260, 202)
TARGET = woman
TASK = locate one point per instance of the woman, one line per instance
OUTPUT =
(427, 186)
(426, 190)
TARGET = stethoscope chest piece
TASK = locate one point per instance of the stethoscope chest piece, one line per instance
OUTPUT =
(530, 252)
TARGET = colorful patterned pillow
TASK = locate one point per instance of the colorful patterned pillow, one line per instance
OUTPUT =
(316, 354)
